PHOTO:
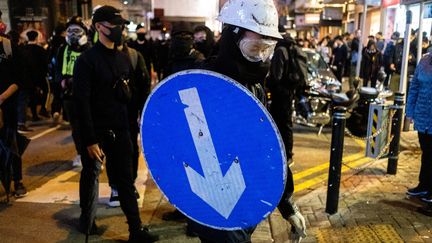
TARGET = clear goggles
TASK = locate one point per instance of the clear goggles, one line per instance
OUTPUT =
(255, 50)
(75, 30)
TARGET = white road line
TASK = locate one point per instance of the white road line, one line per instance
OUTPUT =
(63, 190)
(45, 132)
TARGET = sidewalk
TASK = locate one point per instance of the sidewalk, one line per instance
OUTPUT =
(372, 205)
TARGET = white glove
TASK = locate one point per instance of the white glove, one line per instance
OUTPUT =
(298, 222)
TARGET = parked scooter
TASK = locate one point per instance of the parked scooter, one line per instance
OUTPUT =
(314, 104)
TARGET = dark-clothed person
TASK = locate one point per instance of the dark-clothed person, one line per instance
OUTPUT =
(140, 86)
(340, 55)
(182, 55)
(35, 79)
(388, 57)
(9, 84)
(371, 64)
(282, 94)
(76, 44)
(144, 46)
(55, 42)
(419, 110)
(204, 40)
(100, 83)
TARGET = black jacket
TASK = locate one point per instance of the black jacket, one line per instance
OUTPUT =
(37, 68)
(370, 65)
(95, 73)
(9, 75)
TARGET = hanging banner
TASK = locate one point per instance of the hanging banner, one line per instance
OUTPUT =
(388, 3)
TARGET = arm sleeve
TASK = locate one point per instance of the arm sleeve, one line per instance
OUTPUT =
(276, 68)
(413, 93)
(143, 80)
(81, 94)
(59, 64)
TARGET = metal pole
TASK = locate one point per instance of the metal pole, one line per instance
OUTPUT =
(337, 145)
(420, 33)
(404, 68)
(396, 133)
(360, 49)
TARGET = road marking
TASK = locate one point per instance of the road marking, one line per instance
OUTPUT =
(320, 178)
(347, 159)
(45, 132)
(64, 191)
(313, 170)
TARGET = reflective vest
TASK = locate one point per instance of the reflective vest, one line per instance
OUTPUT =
(69, 59)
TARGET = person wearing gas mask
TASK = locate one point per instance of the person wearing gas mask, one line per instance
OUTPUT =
(246, 45)
(76, 43)
(102, 94)
(143, 46)
(204, 40)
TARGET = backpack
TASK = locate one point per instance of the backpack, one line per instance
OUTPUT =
(296, 67)
(133, 55)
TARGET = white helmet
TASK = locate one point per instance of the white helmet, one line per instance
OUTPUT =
(259, 16)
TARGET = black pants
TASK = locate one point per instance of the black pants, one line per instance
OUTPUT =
(8, 136)
(425, 178)
(118, 151)
(281, 111)
(71, 114)
(56, 105)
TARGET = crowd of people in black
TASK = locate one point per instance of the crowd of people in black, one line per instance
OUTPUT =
(70, 74)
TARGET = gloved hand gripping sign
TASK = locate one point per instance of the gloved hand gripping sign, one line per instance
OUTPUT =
(213, 150)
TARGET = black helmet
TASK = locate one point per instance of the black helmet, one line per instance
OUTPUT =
(181, 27)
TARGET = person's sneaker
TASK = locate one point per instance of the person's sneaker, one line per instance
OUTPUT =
(142, 235)
(417, 191)
(175, 215)
(56, 118)
(24, 129)
(114, 199)
(20, 190)
(76, 162)
(427, 198)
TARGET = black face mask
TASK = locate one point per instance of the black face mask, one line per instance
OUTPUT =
(115, 35)
(141, 36)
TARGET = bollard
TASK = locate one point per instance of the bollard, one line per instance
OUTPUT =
(395, 132)
(337, 145)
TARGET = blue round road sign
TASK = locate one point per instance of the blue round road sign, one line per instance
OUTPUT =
(213, 150)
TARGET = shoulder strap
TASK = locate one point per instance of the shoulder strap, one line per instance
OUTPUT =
(133, 55)
(6, 46)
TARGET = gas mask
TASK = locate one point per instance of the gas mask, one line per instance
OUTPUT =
(255, 50)
(76, 36)
(115, 34)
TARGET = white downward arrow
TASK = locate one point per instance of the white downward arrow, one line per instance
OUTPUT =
(221, 192)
